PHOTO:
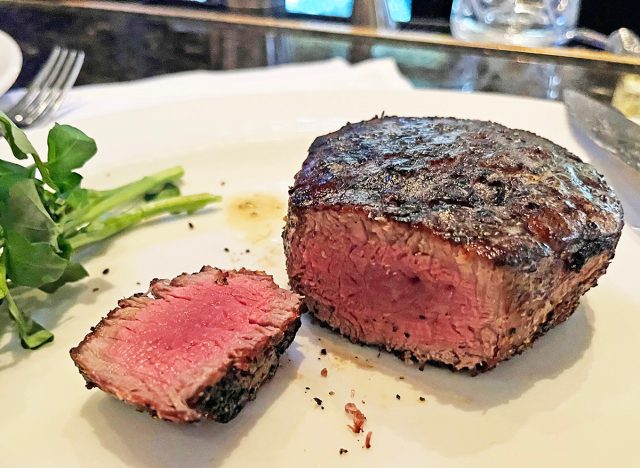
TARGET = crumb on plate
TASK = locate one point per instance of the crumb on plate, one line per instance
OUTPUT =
(367, 440)
(358, 417)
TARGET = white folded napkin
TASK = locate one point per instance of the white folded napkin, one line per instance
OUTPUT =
(99, 99)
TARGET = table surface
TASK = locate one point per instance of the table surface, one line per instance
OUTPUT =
(130, 40)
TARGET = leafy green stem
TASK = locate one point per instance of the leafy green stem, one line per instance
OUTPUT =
(44, 171)
(125, 194)
(32, 334)
(100, 230)
(101, 194)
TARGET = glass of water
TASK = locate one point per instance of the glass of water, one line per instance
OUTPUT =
(521, 22)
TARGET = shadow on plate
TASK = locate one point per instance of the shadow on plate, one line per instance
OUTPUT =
(139, 440)
(490, 408)
(39, 305)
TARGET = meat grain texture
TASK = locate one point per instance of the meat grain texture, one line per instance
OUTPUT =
(447, 241)
(198, 346)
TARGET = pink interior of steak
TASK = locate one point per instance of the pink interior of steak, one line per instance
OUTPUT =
(396, 287)
(161, 351)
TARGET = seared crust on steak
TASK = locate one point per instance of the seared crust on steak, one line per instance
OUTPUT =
(508, 195)
(456, 242)
(223, 401)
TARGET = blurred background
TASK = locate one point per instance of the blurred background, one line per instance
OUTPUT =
(132, 39)
(603, 16)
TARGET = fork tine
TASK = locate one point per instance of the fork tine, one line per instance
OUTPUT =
(31, 110)
(68, 78)
(36, 84)
(57, 67)
(55, 89)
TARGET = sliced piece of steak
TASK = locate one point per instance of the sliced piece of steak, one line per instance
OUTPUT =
(198, 346)
(445, 240)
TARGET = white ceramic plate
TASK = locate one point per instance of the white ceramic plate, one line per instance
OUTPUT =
(10, 61)
(571, 400)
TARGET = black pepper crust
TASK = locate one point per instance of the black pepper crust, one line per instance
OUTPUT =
(223, 401)
(507, 195)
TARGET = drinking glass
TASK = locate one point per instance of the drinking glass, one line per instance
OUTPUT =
(521, 22)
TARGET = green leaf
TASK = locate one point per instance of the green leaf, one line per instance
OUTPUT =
(32, 334)
(73, 272)
(9, 168)
(32, 263)
(21, 147)
(70, 182)
(33, 255)
(18, 141)
(59, 205)
(79, 197)
(69, 149)
(22, 211)
(35, 335)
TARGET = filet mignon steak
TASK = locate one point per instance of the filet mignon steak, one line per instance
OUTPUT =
(198, 346)
(444, 240)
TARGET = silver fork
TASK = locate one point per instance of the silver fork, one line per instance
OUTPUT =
(48, 89)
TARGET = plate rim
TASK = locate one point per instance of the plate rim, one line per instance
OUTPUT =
(13, 61)
(517, 424)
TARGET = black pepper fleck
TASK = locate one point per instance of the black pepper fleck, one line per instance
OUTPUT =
(323, 352)
(317, 400)
(96, 289)
(105, 271)
(190, 225)
(226, 249)
(343, 451)
(397, 396)
(422, 398)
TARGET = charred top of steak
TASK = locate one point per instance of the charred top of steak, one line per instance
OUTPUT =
(508, 195)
